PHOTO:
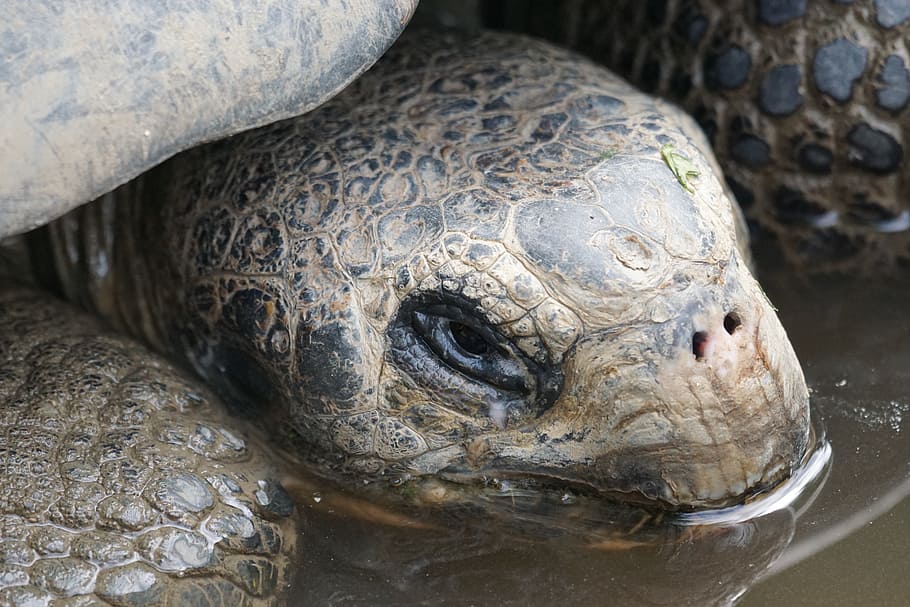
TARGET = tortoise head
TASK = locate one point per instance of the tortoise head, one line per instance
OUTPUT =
(428, 288)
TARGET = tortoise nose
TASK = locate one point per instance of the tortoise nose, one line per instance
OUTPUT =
(719, 338)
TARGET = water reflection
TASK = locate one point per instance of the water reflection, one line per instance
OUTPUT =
(534, 558)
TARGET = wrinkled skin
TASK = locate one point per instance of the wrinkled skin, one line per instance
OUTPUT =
(474, 261)
(123, 480)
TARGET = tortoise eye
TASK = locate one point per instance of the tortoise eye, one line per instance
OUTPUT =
(470, 340)
(445, 344)
(471, 348)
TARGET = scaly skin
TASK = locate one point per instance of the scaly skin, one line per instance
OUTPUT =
(475, 261)
(123, 480)
(805, 103)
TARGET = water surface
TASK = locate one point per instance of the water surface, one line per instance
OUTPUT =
(853, 546)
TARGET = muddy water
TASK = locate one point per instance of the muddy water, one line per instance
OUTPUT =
(844, 542)
(852, 547)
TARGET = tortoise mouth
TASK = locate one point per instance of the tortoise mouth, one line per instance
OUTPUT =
(782, 490)
(542, 483)
(797, 491)
(546, 482)
(654, 484)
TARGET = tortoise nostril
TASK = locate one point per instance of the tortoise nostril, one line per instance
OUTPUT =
(732, 322)
(699, 343)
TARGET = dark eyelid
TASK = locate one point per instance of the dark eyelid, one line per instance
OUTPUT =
(457, 314)
(423, 346)
(499, 367)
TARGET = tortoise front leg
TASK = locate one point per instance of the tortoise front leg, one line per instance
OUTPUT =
(121, 480)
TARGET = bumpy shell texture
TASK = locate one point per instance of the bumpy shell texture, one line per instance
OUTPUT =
(123, 481)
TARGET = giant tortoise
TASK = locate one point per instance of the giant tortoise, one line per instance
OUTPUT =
(487, 256)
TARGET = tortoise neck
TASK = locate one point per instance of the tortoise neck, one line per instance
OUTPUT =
(100, 261)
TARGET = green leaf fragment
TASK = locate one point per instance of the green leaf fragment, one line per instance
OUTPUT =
(681, 166)
(607, 155)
